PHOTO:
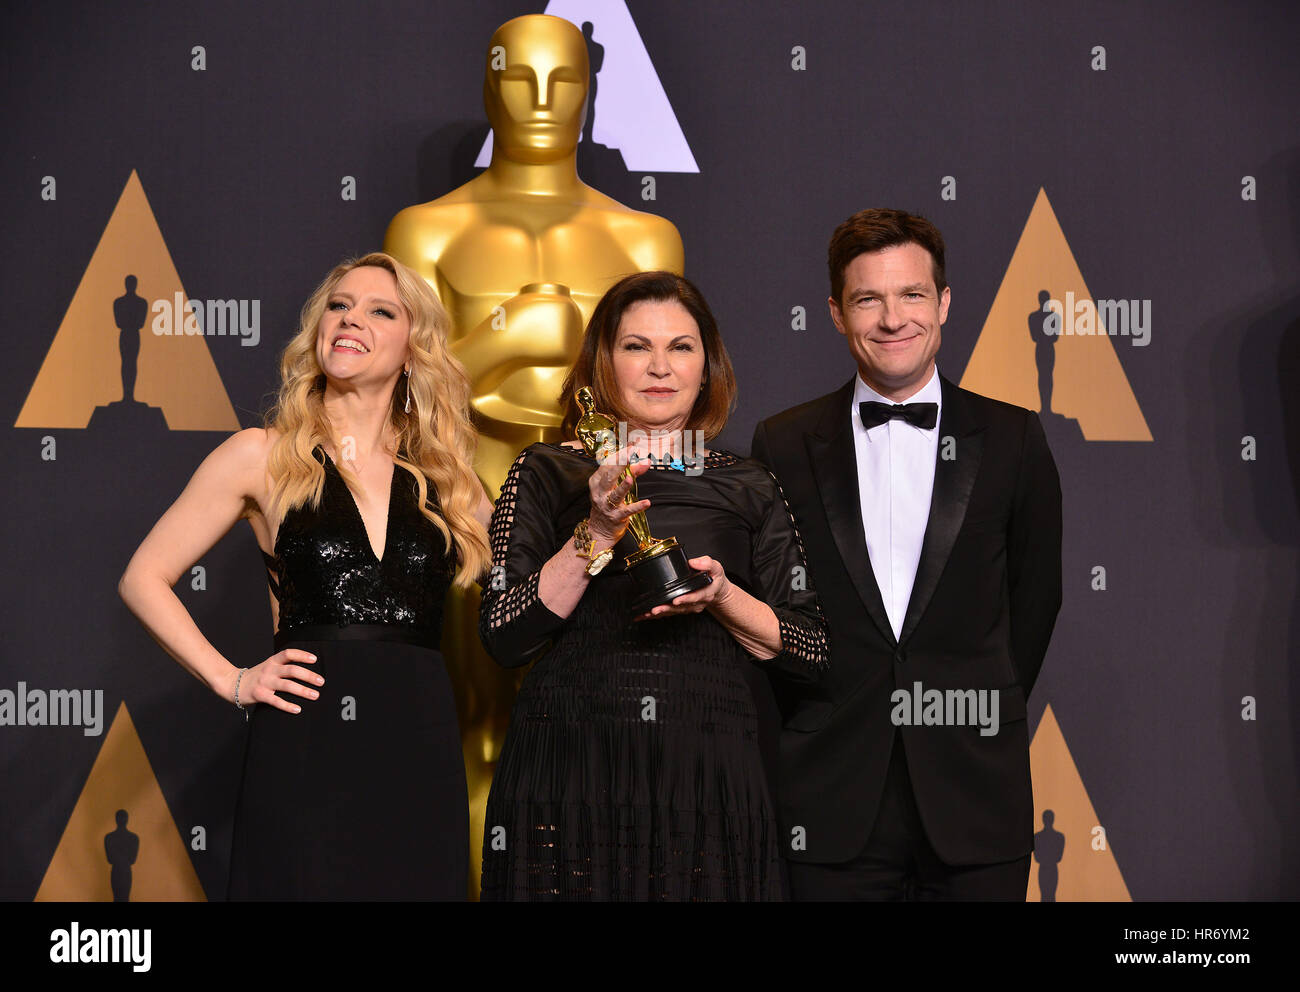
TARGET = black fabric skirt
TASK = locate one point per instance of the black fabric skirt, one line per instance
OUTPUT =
(631, 770)
(361, 796)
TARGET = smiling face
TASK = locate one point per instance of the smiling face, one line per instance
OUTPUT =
(891, 314)
(658, 360)
(364, 333)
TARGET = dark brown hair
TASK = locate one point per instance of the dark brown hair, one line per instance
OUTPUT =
(877, 228)
(595, 368)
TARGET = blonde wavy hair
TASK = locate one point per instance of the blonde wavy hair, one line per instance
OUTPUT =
(436, 440)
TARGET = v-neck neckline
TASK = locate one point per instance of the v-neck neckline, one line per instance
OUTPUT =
(388, 521)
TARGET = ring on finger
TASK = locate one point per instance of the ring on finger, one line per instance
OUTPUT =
(610, 501)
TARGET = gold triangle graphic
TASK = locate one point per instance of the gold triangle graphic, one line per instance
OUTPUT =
(83, 368)
(121, 779)
(1089, 384)
(1083, 874)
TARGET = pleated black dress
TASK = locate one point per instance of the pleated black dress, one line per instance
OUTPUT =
(631, 768)
(361, 795)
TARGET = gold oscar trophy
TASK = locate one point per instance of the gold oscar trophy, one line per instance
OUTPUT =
(658, 565)
(520, 256)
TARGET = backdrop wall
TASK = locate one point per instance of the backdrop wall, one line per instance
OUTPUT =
(1144, 154)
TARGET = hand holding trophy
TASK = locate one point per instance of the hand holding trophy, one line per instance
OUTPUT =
(658, 565)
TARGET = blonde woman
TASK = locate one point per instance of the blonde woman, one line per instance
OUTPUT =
(361, 494)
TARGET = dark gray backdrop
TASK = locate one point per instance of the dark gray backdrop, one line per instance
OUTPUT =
(1143, 165)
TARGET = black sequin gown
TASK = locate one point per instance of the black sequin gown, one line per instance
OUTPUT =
(361, 795)
(631, 767)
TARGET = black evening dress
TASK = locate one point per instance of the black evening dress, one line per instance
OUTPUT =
(362, 795)
(631, 768)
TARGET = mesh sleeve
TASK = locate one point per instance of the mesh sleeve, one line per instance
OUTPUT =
(514, 624)
(781, 571)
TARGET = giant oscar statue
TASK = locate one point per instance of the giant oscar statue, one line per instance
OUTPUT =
(520, 255)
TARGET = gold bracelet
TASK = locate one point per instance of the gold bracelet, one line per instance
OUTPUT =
(583, 541)
(586, 545)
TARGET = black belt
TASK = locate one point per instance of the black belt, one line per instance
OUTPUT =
(420, 636)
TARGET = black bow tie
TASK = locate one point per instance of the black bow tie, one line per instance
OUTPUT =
(874, 414)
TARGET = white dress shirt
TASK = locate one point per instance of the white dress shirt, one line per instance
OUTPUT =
(895, 480)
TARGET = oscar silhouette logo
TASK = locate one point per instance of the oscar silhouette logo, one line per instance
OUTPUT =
(1067, 370)
(1073, 860)
(106, 368)
(99, 858)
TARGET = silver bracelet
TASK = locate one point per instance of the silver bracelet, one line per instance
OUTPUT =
(239, 679)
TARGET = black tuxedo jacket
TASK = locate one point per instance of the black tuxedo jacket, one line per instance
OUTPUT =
(985, 599)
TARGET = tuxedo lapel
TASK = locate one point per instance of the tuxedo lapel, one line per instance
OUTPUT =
(834, 460)
(953, 480)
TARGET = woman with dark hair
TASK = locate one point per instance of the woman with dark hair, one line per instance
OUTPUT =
(631, 767)
(361, 491)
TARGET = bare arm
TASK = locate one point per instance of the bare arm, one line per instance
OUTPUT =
(750, 621)
(211, 503)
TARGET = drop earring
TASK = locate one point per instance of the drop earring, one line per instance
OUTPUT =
(408, 390)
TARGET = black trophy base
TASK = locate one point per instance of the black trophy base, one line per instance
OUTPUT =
(663, 578)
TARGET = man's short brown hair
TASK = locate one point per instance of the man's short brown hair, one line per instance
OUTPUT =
(877, 228)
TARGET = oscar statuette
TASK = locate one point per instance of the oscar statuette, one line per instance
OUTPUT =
(658, 565)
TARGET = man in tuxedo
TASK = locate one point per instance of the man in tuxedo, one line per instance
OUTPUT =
(931, 521)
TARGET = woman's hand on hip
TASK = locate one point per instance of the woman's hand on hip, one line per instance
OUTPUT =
(261, 682)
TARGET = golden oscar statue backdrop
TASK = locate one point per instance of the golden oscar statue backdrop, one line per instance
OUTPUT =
(520, 256)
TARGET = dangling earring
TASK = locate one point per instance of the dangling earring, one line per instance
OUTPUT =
(408, 390)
